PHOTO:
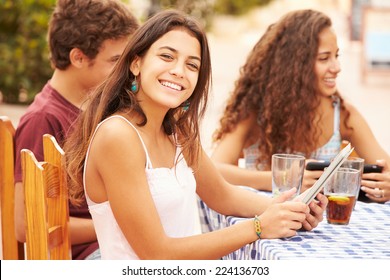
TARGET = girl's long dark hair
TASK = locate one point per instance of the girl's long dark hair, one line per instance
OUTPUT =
(114, 95)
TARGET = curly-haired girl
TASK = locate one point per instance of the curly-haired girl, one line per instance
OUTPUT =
(286, 101)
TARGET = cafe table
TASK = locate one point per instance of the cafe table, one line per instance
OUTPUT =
(367, 236)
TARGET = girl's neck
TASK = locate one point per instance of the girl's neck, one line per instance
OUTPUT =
(153, 129)
(326, 104)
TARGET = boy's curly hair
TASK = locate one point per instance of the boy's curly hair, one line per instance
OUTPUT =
(86, 24)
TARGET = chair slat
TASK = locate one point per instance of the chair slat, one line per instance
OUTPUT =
(46, 196)
(34, 195)
(57, 197)
(11, 248)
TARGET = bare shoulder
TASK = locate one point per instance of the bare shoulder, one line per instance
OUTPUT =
(115, 128)
(247, 125)
(116, 158)
(250, 129)
(116, 135)
(356, 121)
(354, 114)
(251, 120)
(351, 108)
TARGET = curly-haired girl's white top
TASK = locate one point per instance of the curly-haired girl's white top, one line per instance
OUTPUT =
(174, 194)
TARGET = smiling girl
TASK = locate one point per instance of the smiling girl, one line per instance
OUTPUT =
(135, 154)
(286, 101)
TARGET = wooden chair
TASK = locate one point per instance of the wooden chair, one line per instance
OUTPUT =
(12, 249)
(46, 201)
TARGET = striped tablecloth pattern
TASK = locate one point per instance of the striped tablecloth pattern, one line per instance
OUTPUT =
(366, 237)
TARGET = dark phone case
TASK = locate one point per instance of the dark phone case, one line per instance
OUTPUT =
(320, 165)
(368, 168)
(317, 165)
(372, 168)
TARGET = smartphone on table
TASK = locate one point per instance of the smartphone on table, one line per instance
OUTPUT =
(368, 168)
(322, 164)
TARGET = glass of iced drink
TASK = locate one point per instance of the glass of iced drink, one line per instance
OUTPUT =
(341, 192)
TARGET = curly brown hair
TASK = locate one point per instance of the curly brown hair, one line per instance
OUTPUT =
(86, 24)
(278, 84)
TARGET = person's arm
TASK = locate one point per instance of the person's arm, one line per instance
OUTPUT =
(367, 147)
(127, 190)
(228, 199)
(224, 197)
(362, 138)
(227, 153)
(81, 230)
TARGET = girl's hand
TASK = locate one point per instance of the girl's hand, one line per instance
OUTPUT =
(377, 185)
(309, 178)
(283, 218)
(317, 208)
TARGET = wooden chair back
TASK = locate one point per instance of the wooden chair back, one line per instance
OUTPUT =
(46, 200)
(11, 248)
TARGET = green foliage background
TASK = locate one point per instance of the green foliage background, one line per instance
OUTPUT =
(24, 62)
(237, 7)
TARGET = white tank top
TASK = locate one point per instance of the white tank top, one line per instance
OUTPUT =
(174, 194)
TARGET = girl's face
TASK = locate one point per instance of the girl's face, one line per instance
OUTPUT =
(169, 71)
(327, 65)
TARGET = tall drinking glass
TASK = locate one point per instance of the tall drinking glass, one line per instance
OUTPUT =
(287, 173)
(341, 193)
(358, 164)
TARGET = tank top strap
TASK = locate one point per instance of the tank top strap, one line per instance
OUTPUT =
(148, 161)
(336, 121)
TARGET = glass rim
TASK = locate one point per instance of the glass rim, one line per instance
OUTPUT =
(355, 159)
(348, 170)
(292, 156)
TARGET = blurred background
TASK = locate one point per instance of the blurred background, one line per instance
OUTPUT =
(233, 26)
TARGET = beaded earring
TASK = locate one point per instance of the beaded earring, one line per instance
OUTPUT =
(186, 105)
(134, 85)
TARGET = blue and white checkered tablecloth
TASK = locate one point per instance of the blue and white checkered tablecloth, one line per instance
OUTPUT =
(366, 237)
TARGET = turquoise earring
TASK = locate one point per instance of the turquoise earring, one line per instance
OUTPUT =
(186, 105)
(134, 85)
